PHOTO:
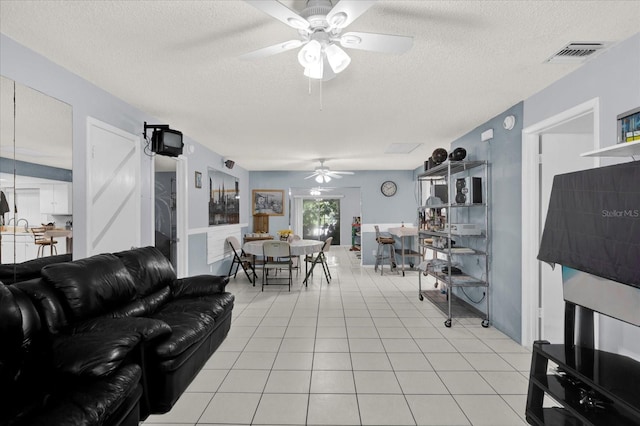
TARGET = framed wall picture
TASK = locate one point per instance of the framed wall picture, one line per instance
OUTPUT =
(224, 198)
(268, 201)
(198, 180)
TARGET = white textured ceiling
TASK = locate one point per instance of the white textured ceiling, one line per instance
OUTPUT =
(178, 61)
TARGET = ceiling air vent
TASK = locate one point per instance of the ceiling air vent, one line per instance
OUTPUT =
(576, 53)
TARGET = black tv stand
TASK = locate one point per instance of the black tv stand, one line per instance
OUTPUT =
(594, 387)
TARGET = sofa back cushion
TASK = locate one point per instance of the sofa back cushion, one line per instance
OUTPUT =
(11, 273)
(151, 271)
(92, 286)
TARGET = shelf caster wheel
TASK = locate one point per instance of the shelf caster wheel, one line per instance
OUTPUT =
(447, 323)
(485, 323)
(421, 297)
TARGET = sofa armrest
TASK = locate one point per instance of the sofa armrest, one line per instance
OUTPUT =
(199, 285)
(93, 354)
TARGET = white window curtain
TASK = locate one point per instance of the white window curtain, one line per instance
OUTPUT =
(296, 215)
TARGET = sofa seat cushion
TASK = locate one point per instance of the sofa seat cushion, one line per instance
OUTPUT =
(90, 402)
(190, 324)
(220, 304)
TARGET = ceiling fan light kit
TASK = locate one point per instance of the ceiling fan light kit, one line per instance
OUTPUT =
(319, 26)
(324, 175)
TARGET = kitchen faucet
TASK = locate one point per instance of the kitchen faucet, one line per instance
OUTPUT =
(26, 224)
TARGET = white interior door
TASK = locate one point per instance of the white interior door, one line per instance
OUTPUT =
(113, 188)
(560, 153)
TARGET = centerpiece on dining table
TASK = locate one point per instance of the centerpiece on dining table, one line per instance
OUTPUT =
(284, 234)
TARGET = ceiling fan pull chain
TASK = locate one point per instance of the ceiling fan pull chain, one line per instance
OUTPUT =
(309, 86)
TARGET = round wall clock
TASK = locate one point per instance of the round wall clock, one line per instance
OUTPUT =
(388, 188)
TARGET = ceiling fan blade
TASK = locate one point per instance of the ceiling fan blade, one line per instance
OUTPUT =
(347, 11)
(311, 175)
(376, 42)
(272, 50)
(281, 12)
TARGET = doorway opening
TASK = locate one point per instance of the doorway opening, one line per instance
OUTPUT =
(165, 207)
(321, 219)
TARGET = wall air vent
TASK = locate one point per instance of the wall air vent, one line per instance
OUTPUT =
(576, 52)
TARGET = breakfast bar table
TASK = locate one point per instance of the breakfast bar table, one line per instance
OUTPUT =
(55, 233)
(298, 248)
(405, 251)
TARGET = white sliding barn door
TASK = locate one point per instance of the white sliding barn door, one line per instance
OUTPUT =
(113, 188)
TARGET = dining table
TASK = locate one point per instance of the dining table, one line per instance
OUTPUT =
(298, 248)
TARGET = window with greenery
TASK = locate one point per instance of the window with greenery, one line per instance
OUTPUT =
(321, 220)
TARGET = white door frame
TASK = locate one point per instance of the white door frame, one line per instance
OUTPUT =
(182, 235)
(531, 208)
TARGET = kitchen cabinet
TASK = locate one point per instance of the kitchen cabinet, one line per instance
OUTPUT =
(55, 198)
(21, 245)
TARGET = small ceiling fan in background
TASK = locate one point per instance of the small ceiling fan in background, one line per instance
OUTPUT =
(324, 175)
(318, 190)
(320, 27)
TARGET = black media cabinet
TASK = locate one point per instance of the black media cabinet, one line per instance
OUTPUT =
(594, 387)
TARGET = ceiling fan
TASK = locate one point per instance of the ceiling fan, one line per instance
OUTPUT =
(318, 190)
(320, 27)
(324, 174)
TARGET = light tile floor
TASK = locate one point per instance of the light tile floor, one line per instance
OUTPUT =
(362, 350)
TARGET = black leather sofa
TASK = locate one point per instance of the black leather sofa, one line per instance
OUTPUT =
(178, 323)
(84, 379)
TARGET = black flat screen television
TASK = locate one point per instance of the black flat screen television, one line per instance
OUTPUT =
(167, 142)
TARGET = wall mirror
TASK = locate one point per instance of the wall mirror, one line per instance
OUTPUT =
(35, 173)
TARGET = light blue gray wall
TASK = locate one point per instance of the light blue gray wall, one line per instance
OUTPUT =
(504, 154)
(35, 170)
(375, 207)
(613, 77)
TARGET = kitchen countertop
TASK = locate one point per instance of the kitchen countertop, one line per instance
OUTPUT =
(21, 231)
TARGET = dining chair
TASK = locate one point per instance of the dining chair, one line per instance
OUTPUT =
(277, 256)
(241, 259)
(295, 259)
(43, 241)
(321, 258)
